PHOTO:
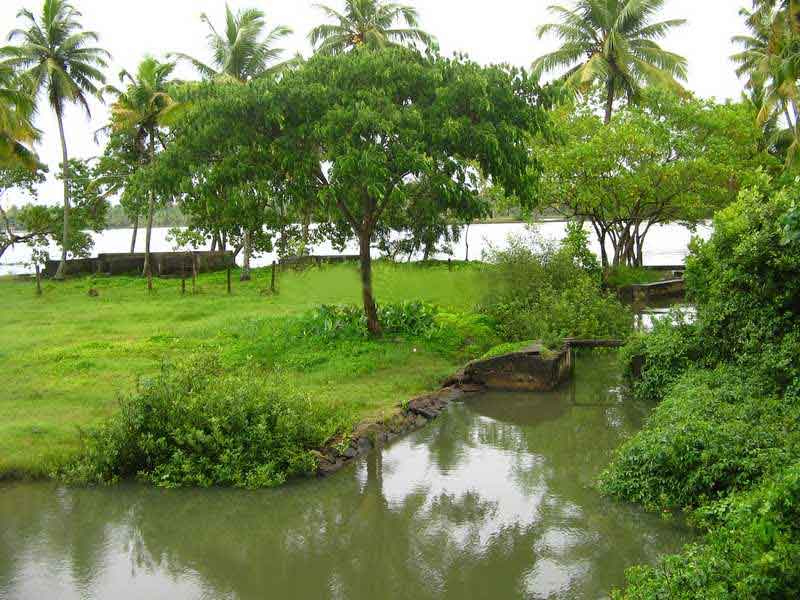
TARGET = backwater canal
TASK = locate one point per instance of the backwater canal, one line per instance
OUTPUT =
(493, 500)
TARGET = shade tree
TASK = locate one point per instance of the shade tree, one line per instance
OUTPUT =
(666, 160)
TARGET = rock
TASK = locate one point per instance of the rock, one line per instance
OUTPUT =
(350, 452)
(421, 421)
(364, 444)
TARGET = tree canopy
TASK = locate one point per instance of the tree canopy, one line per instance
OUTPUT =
(356, 133)
(370, 24)
(613, 43)
(666, 160)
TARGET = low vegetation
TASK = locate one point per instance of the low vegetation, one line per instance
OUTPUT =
(724, 442)
(546, 291)
(266, 353)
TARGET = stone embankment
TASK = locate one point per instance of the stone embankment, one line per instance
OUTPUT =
(530, 369)
(410, 417)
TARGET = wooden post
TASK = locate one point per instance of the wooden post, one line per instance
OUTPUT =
(228, 274)
(272, 285)
(194, 274)
(449, 264)
(38, 281)
(183, 276)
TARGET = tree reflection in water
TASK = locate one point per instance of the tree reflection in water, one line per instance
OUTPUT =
(494, 500)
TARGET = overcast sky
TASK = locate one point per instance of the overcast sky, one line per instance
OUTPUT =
(489, 31)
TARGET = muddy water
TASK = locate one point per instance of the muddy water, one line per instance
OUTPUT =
(494, 500)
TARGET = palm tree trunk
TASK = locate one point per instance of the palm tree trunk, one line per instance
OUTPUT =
(151, 205)
(135, 232)
(62, 266)
(609, 100)
(246, 250)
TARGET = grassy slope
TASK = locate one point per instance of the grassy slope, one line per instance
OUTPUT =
(65, 357)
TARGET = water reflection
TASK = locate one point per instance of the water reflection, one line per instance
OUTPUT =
(493, 501)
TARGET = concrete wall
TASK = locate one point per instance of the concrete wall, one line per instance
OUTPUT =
(528, 370)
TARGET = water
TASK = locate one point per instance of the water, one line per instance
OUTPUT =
(493, 500)
(665, 245)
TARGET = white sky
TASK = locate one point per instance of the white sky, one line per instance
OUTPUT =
(489, 31)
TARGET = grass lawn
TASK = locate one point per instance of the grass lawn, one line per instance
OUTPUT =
(66, 356)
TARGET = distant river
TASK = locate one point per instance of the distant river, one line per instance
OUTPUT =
(665, 245)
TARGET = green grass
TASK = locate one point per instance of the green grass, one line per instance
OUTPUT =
(621, 276)
(66, 357)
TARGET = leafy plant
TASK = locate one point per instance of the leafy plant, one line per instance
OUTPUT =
(196, 425)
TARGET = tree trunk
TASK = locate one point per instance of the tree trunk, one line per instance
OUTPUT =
(609, 100)
(62, 266)
(214, 242)
(466, 243)
(135, 232)
(151, 206)
(305, 233)
(245, 276)
(370, 310)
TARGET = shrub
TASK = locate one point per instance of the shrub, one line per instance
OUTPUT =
(714, 433)
(542, 291)
(662, 355)
(328, 322)
(725, 440)
(195, 425)
(752, 552)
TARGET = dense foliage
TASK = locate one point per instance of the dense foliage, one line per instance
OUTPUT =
(198, 425)
(545, 291)
(725, 440)
(662, 160)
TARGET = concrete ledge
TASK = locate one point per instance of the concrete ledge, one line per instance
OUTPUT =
(672, 288)
(531, 369)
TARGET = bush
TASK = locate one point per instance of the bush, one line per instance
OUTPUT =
(725, 440)
(412, 319)
(713, 434)
(545, 292)
(752, 552)
(195, 425)
(662, 356)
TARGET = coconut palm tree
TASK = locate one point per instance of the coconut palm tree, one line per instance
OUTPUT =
(368, 23)
(56, 54)
(242, 52)
(789, 10)
(612, 43)
(771, 64)
(17, 131)
(140, 110)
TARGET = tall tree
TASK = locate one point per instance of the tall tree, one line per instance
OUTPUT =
(56, 54)
(770, 60)
(370, 23)
(141, 109)
(242, 53)
(664, 160)
(356, 132)
(17, 131)
(613, 43)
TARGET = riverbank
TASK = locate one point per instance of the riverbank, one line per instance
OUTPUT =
(68, 356)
